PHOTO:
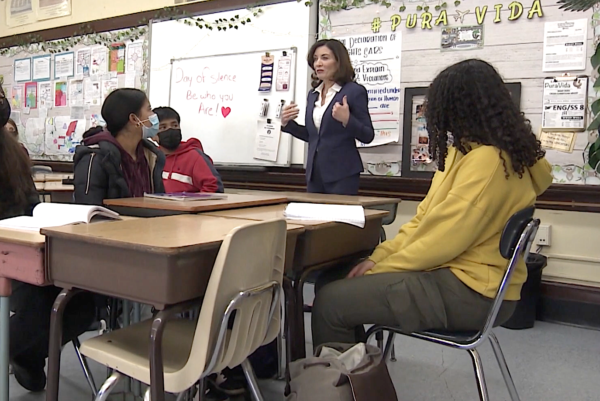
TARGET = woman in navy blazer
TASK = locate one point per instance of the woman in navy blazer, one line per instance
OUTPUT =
(337, 114)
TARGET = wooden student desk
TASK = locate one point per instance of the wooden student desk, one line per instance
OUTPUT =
(322, 245)
(149, 207)
(21, 258)
(158, 261)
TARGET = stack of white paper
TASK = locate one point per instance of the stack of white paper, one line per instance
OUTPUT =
(351, 214)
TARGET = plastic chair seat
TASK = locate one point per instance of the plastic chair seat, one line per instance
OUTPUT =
(126, 350)
(458, 336)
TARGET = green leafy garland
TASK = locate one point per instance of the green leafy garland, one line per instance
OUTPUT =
(34, 43)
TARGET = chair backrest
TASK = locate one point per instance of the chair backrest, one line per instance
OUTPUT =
(241, 307)
(515, 243)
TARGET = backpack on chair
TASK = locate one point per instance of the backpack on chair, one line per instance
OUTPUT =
(341, 372)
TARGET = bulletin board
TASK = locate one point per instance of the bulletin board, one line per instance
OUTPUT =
(56, 97)
(509, 35)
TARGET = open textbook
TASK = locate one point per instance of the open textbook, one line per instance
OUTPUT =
(58, 214)
(351, 214)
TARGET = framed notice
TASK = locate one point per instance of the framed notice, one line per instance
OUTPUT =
(565, 104)
(416, 159)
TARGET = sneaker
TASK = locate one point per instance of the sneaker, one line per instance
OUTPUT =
(32, 379)
(214, 394)
(230, 384)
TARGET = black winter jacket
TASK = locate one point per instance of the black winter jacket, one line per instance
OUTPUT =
(98, 174)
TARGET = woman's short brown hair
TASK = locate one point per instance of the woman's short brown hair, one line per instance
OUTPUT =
(345, 72)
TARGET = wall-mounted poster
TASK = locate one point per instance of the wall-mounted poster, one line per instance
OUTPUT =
(22, 70)
(565, 104)
(377, 67)
(48, 9)
(41, 68)
(462, 38)
(64, 65)
(19, 12)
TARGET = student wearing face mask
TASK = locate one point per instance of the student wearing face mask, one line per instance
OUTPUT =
(120, 161)
(187, 168)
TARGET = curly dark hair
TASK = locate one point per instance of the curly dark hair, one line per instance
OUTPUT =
(470, 101)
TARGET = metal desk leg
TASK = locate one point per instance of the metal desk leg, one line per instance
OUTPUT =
(137, 317)
(56, 332)
(5, 290)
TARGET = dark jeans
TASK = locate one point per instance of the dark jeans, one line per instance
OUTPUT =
(31, 307)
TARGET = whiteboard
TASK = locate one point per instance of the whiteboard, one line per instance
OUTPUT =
(219, 101)
(231, 140)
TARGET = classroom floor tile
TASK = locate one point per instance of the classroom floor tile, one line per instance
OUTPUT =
(549, 362)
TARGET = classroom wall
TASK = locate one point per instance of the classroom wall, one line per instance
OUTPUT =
(513, 47)
(84, 11)
(574, 254)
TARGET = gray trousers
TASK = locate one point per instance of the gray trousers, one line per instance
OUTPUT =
(410, 301)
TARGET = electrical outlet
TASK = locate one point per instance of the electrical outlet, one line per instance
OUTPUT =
(543, 236)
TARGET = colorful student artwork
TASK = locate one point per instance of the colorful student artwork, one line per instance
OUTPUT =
(62, 135)
(60, 93)
(16, 100)
(117, 58)
(31, 95)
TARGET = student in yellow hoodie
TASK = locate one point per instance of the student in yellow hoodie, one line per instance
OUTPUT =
(444, 267)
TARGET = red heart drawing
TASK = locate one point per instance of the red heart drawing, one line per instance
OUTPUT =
(225, 111)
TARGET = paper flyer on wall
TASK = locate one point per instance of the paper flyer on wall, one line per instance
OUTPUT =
(48, 9)
(45, 98)
(565, 44)
(19, 12)
(41, 68)
(266, 145)
(565, 104)
(33, 136)
(83, 62)
(377, 62)
(134, 57)
(99, 60)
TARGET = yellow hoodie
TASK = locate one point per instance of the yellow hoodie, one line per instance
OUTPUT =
(459, 223)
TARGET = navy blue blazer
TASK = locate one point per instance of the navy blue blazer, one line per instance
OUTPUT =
(338, 155)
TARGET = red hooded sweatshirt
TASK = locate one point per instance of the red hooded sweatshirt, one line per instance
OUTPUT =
(189, 169)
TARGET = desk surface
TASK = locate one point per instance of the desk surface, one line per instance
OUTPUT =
(54, 177)
(365, 201)
(233, 201)
(165, 235)
(276, 212)
(22, 237)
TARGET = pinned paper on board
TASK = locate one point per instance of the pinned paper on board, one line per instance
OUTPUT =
(83, 62)
(92, 92)
(31, 95)
(76, 92)
(99, 60)
(62, 135)
(45, 99)
(60, 93)
(33, 136)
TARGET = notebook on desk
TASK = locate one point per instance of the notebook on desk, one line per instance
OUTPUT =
(58, 214)
(187, 196)
(350, 214)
